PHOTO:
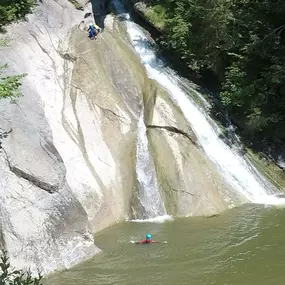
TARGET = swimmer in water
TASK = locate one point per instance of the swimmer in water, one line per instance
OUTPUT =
(147, 240)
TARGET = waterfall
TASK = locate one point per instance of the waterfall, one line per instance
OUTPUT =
(148, 192)
(235, 169)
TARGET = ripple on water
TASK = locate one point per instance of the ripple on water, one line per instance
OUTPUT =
(242, 246)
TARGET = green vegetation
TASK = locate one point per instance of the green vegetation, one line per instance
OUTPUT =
(15, 277)
(12, 10)
(9, 85)
(272, 172)
(4, 42)
(242, 43)
(156, 14)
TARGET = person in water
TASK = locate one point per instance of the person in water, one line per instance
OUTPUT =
(147, 240)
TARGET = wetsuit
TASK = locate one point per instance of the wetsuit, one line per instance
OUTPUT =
(92, 32)
(147, 241)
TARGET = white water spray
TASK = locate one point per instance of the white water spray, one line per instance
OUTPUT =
(148, 192)
(234, 168)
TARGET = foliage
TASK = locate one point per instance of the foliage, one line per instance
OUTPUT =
(9, 85)
(12, 10)
(9, 276)
(156, 15)
(243, 43)
(4, 42)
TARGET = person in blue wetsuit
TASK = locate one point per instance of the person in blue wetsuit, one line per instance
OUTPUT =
(91, 34)
(93, 31)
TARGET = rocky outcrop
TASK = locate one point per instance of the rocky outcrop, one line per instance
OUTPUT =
(67, 168)
(176, 131)
(106, 101)
(68, 146)
(42, 231)
(43, 225)
(188, 181)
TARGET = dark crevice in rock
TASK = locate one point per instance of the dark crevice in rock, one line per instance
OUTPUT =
(175, 130)
(68, 56)
(213, 216)
(87, 15)
(183, 191)
(77, 5)
(32, 179)
(51, 151)
(3, 135)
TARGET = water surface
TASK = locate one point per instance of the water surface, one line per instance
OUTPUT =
(242, 246)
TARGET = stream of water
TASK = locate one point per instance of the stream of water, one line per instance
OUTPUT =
(235, 169)
(242, 246)
(148, 192)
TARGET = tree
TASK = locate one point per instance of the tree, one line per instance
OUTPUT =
(12, 10)
(241, 42)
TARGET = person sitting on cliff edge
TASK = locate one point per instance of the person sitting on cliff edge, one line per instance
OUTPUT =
(147, 240)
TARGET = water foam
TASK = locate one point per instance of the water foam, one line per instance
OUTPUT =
(148, 191)
(229, 162)
(240, 174)
(156, 220)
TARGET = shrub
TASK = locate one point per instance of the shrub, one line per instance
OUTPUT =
(10, 276)
(9, 85)
(12, 10)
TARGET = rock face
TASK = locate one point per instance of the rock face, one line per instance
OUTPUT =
(68, 146)
(41, 230)
(189, 182)
(66, 163)
(100, 114)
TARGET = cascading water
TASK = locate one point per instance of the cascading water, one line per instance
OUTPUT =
(148, 192)
(234, 168)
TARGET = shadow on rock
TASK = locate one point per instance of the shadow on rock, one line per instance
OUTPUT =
(101, 8)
